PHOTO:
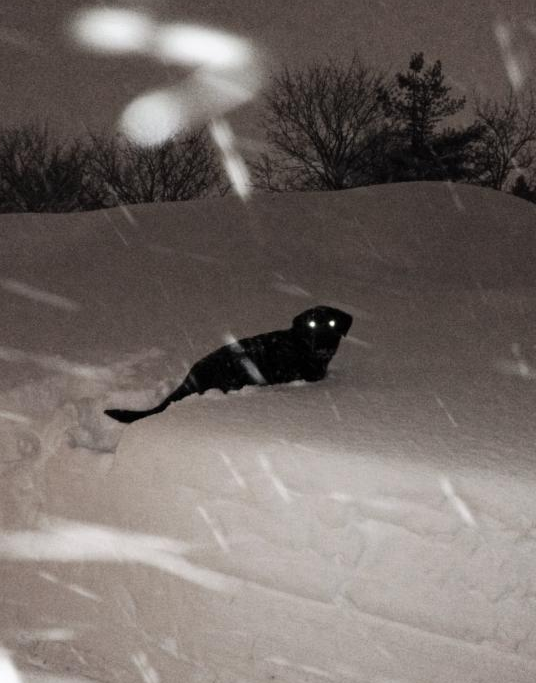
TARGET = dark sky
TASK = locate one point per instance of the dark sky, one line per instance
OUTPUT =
(45, 75)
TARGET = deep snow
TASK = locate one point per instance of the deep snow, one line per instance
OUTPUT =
(377, 526)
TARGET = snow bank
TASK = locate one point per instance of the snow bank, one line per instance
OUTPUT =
(377, 526)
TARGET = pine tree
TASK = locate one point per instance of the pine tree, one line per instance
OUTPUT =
(420, 100)
(416, 105)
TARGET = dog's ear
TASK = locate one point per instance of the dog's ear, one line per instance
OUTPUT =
(344, 322)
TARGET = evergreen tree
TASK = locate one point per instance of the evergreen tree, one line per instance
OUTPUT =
(420, 100)
(416, 105)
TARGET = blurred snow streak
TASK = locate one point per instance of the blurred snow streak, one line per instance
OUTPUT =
(39, 677)
(276, 481)
(75, 588)
(248, 365)
(457, 503)
(225, 75)
(307, 669)
(14, 417)
(512, 63)
(216, 531)
(63, 541)
(39, 295)
(147, 672)
(233, 163)
(49, 634)
(56, 364)
(234, 472)
(518, 365)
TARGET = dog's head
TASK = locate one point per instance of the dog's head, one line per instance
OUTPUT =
(322, 328)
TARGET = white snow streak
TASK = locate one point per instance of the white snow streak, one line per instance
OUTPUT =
(47, 634)
(147, 672)
(233, 163)
(514, 70)
(292, 290)
(214, 527)
(64, 541)
(75, 588)
(56, 364)
(248, 365)
(235, 473)
(457, 503)
(313, 670)
(14, 417)
(276, 481)
(39, 295)
(447, 413)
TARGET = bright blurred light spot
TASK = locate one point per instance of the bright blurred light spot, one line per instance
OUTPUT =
(113, 30)
(153, 118)
(200, 46)
(8, 673)
(226, 76)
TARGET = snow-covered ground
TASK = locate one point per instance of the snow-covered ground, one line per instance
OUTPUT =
(376, 527)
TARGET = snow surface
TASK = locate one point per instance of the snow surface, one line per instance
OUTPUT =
(376, 527)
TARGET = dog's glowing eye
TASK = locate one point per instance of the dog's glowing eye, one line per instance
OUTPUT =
(332, 323)
(311, 323)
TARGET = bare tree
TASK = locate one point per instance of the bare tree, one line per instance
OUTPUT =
(180, 169)
(40, 174)
(509, 134)
(320, 124)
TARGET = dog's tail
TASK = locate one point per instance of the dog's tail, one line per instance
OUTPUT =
(129, 416)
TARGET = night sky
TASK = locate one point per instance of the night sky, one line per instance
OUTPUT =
(45, 75)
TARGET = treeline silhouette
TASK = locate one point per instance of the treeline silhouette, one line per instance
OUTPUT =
(329, 126)
(41, 174)
(334, 126)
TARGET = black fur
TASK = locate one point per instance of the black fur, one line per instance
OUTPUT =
(302, 352)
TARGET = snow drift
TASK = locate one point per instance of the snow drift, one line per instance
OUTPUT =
(377, 526)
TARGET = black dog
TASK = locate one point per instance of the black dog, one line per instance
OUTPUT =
(303, 352)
